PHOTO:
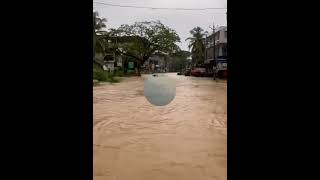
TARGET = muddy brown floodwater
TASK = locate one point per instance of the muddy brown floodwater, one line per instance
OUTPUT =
(184, 140)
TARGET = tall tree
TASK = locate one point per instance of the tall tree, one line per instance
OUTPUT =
(178, 60)
(144, 39)
(197, 45)
(98, 44)
(99, 23)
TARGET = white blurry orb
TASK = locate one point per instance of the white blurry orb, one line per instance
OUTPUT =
(159, 90)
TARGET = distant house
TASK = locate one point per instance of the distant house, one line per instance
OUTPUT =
(220, 44)
(158, 61)
(118, 60)
(109, 61)
(98, 59)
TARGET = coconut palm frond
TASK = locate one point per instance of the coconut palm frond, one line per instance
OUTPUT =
(196, 43)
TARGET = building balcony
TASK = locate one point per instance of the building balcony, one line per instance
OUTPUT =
(217, 42)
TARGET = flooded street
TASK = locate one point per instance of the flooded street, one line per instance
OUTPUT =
(184, 140)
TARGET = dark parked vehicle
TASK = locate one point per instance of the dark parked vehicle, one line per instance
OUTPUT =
(198, 72)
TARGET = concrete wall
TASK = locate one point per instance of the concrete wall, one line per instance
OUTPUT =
(99, 56)
(220, 35)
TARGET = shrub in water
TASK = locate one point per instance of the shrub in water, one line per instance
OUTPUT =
(95, 82)
(99, 75)
(111, 78)
(119, 73)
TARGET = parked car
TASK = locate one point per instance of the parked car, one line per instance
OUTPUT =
(198, 71)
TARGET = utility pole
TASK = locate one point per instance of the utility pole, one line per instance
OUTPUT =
(205, 49)
(214, 51)
(214, 42)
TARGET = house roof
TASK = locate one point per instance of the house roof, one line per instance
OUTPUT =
(220, 28)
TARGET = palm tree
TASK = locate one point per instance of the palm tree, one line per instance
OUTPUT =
(94, 39)
(98, 25)
(197, 45)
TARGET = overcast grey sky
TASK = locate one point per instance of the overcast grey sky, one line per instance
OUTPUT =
(181, 21)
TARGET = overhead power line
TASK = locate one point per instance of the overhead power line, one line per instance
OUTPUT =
(145, 7)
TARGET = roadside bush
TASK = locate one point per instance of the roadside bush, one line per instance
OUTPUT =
(111, 78)
(119, 73)
(95, 82)
(99, 75)
(103, 76)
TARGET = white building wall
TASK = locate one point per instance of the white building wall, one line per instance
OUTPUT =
(99, 56)
(220, 42)
(222, 38)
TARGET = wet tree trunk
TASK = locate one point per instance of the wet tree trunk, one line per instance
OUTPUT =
(125, 67)
(140, 62)
(138, 68)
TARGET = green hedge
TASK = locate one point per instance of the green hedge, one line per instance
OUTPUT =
(104, 76)
(95, 82)
(99, 75)
(119, 73)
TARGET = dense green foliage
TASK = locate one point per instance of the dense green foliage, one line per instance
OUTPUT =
(197, 45)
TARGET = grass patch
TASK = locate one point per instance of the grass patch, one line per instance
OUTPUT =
(100, 75)
(119, 73)
(111, 78)
(95, 82)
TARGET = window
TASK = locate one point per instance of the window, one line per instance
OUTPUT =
(225, 34)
